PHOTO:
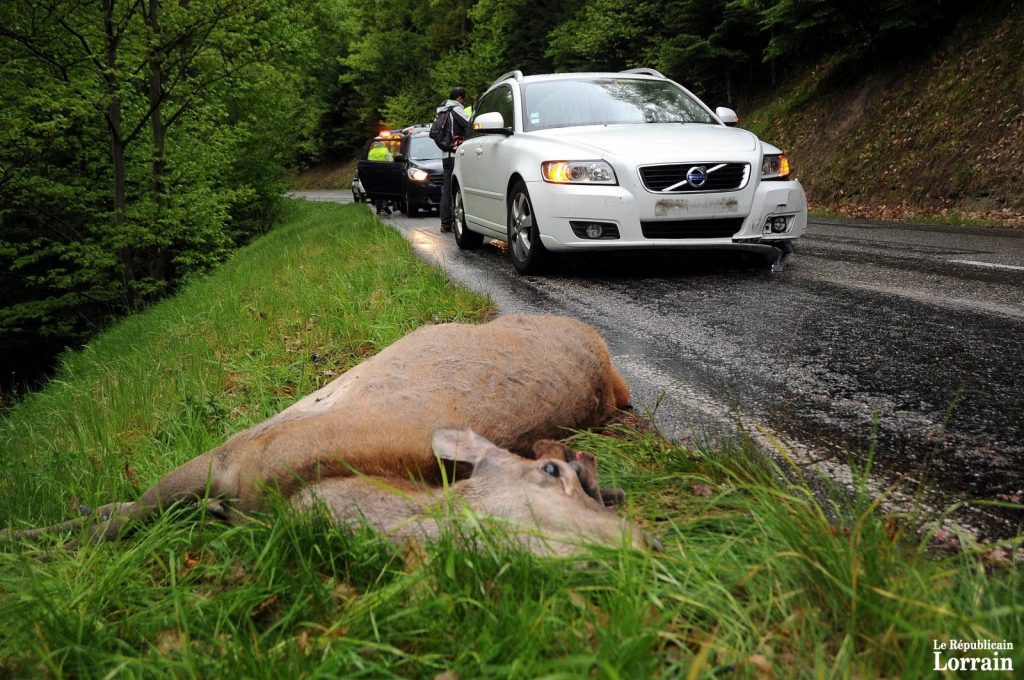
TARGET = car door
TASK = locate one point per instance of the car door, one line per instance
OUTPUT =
(380, 179)
(483, 164)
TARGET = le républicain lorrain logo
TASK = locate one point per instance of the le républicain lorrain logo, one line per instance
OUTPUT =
(976, 655)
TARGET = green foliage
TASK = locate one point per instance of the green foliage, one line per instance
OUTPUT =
(141, 142)
(815, 27)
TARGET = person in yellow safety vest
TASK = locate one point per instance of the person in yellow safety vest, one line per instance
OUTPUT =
(379, 152)
(469, 111)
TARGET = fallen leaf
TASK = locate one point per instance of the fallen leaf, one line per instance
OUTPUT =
(702, 490)
(1000, 556)
(263, 606)
(945, 539)
(129, 473)
(343, 592)
(763, 666)
(892, 529)
(414, 555)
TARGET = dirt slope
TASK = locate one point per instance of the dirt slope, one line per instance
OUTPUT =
(943, 134)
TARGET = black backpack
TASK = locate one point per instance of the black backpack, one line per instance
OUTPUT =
(442, 131)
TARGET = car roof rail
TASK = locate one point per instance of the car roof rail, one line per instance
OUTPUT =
(644, 72)
(517, 74)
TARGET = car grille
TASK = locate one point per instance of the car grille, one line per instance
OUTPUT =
(671, 179)
(437, 180)
(714, 228)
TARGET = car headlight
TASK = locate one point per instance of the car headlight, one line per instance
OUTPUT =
(775, 166)
(578, 172)
(417, 174)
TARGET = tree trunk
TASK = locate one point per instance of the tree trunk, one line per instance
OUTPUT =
(112, 90)
(156, 258)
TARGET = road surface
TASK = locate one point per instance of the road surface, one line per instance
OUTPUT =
(902, 340)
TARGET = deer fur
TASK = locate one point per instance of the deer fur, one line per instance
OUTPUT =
(513, 381)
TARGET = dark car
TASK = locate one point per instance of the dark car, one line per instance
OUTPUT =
(413, 179)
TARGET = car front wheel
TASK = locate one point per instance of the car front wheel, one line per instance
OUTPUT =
(528, 253)
(466, 239)
(411, 208)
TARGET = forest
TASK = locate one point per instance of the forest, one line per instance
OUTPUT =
(142, 141)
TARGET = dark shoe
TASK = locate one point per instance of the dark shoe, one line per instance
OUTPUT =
(446, 228)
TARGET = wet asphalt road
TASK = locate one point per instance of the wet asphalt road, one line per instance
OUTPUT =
(908, 339)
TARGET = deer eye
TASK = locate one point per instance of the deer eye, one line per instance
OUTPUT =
(551, 469)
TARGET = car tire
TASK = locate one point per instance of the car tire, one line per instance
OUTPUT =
(524, 245)
(410, 209)
(466, 239)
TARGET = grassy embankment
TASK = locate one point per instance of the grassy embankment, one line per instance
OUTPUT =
(758, 579)
(932, 138)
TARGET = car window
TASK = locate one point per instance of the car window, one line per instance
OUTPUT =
(498, 99)
(423, 149)
(606, 101)
(503, 104)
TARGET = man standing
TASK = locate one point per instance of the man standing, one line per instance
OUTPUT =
(460, 122)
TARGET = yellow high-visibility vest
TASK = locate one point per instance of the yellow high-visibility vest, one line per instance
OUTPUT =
(379, 153)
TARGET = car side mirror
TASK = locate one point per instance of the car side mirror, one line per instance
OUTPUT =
(491, 122)
(727, 116)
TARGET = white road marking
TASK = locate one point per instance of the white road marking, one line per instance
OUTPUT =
(993, 265)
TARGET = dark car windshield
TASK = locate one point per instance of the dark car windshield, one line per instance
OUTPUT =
(606, 101)
(423, 149)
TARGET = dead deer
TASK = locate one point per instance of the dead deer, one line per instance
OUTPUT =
(513, 381)
(539, 504)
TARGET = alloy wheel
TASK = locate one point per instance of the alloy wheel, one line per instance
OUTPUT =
(521, 227)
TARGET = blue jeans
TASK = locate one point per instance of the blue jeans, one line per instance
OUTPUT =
(447, 214)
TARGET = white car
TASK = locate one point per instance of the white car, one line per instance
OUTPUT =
(614, 161)
(358, 194)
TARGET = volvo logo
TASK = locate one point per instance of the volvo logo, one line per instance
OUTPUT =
(697, 176)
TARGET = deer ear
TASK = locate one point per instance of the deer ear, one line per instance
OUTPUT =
(549, 448)
(462, 452)
(460, 446)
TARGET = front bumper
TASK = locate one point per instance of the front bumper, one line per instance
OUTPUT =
(425, 194)
(656, 221)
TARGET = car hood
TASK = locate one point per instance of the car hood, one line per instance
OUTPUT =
(658, 142)
(431, 165)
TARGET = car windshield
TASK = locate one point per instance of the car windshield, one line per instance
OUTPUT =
(607, 101)
(423, 149)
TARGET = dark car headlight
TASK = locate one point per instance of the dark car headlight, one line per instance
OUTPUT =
(417, 174)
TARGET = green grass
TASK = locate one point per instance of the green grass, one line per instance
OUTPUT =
(759, 578)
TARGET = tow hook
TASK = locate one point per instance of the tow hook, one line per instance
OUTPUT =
(783, 250)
